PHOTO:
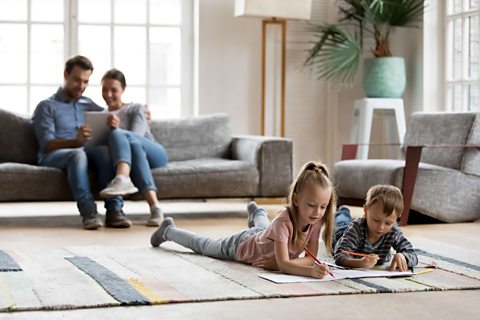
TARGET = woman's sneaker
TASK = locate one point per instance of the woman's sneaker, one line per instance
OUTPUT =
(119, 186)
(156, 218)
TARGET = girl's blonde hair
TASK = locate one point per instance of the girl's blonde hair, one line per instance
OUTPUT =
(313, 173)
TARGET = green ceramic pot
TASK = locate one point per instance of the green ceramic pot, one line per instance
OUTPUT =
(384, 77)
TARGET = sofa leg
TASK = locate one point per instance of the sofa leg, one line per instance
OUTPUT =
(412, 159)
(349, 151)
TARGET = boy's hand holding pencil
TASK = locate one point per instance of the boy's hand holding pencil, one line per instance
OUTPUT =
(367, 260)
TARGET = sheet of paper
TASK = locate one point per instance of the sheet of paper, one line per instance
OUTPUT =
(339, 274)
(98, 122)
(366, 273)
(287, 278)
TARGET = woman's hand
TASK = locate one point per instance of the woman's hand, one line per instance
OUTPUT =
(113, 121)
(267, 264)
(148, 115)
(398, 262)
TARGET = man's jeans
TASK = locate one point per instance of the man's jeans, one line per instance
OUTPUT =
(140, 153)
(75, 162)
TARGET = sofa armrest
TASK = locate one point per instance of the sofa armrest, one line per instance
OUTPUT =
(273, 157)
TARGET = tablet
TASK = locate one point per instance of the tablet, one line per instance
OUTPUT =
(98, 122)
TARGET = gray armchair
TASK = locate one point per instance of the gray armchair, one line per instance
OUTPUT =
(439, 177)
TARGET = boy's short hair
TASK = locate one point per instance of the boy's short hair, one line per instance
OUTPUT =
(389, 196)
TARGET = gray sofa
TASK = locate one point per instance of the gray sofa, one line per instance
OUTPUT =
(440, 176)
(205, 161)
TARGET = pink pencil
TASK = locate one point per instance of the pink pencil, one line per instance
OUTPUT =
(316, 260)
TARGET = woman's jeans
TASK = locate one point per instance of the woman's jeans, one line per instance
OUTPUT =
(140, 153)
(75, 162)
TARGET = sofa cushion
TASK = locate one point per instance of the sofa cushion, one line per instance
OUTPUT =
(17, 141)
(206, 178)
(205, 136)
(440, 128)
(353, 178)
(471, 157)
(34, 183)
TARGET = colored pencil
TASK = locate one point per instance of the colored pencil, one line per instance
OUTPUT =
(316, 259)
(355, 254)
(424, 271)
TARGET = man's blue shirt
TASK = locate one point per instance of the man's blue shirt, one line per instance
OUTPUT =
(59, 118)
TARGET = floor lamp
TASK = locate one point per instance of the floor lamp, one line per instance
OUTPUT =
(274, 14)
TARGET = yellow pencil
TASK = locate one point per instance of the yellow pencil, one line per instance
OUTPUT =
(424, 271)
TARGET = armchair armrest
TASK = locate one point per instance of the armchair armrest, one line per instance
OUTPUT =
(273, 157)
(349, 151)
(412, 160)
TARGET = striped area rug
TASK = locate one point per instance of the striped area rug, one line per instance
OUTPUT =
(106, 276)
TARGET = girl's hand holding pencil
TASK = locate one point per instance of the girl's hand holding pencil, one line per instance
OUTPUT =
(320, 269)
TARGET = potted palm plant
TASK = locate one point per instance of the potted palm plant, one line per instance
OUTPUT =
(337, 50)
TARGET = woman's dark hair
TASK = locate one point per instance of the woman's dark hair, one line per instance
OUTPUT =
(115, 74)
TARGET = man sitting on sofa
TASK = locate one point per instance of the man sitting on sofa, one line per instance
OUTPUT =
(59, 127)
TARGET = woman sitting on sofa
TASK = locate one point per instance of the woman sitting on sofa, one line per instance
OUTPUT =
(133, 148)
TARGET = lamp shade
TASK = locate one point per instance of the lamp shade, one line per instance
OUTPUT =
(286, 9)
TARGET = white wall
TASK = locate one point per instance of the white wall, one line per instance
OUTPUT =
(318, 117)
(433, 46)
(408, 43)
(229, 77)
(229, 65)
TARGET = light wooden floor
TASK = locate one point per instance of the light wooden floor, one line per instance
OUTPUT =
(54, 225)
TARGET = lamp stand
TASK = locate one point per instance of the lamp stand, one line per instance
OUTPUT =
(282, 24)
